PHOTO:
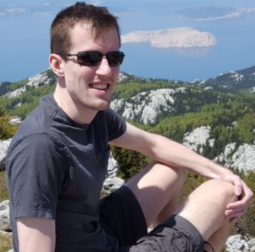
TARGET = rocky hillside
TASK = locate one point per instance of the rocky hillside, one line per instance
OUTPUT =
(215, 117)
(154, 106)
(237, 80)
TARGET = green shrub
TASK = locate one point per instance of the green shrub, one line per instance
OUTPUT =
(6, 129)
(5, 242)
(3, 189)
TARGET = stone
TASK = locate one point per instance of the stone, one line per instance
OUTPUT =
(3, 149)
(237, 243)
(111, 184)
(5, 224)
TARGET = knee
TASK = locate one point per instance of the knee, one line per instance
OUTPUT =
(222, 189)
(229, 191)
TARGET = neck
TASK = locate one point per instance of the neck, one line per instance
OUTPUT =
(73, 110)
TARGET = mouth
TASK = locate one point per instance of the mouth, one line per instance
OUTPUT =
(100, 86)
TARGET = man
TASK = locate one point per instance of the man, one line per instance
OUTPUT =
(57, 162)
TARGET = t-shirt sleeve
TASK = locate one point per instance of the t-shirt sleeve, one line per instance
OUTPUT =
(35, 177)
(116, 125)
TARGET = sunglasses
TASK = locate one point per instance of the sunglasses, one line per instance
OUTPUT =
(93, 58)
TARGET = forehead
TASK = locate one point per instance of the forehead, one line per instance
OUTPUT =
(84, 33)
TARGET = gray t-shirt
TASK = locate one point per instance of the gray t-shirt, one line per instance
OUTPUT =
(55, 170)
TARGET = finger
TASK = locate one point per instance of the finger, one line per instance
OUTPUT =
(237, 205)
(231, 215)
(245, 199)
(238, 186)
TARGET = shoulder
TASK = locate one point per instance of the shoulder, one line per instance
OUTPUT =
(111, 117)
(37, 143)
(35, 126)
(36, 154)
(115, 124)
(40, 118)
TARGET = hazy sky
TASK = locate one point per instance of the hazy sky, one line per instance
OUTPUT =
(176, 39)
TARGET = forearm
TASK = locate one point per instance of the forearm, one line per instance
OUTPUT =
(169, 152)
(179, 156)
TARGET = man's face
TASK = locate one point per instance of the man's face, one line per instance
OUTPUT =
(90, 87)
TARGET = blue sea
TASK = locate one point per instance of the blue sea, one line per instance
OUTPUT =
(235, 48)
(24, 43)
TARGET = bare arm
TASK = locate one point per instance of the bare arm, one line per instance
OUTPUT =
(36, 234)
(169, 152)
(177, 155)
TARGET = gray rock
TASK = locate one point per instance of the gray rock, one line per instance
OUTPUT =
(251, 244)
(111, 184)
(5, 224)
(198, 137)
(237, 243)
(15, 121)
(3, 149)
(148, 106)
(242, 158)
(112, 168)
(35, 81)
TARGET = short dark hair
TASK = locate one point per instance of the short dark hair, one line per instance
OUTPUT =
(99, 17)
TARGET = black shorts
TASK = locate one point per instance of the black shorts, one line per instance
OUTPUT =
(121, 216)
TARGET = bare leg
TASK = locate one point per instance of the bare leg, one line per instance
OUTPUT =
(156, 187)
(168, 210)
(219, 238)
(205, 208)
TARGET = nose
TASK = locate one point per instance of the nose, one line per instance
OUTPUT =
(103, 67)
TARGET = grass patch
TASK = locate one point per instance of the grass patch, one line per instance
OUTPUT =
(5, 239)
(3, 189)
(5, 242)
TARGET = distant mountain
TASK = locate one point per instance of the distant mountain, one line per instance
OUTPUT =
(237, 80)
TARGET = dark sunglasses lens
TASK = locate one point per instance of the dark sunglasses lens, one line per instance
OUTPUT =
(89, 58)
(115, 58)
(94, 58)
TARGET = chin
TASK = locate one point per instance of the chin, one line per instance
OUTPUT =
(103, 106)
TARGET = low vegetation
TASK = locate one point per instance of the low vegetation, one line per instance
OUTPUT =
(5, 242)
(3, 190)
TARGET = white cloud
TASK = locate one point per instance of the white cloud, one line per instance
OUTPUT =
(184, 37)
(46, 4)
(13, 11)
(32, 8)
(215, 13)
(240, 13)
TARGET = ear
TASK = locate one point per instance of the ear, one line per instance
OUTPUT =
(56, 63)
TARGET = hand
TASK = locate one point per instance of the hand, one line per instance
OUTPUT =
(245, 196)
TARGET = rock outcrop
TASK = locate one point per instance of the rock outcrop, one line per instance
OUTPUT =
(4, 216)
(238, 243)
